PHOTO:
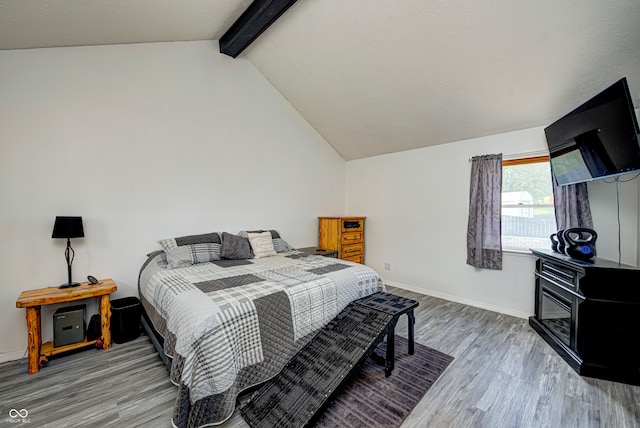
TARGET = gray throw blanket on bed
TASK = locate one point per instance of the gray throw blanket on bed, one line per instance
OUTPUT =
(232, 324)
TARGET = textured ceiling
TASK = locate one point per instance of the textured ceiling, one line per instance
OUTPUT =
(49, 23)
(377, 76)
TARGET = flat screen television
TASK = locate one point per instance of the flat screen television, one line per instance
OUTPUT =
(599, 139)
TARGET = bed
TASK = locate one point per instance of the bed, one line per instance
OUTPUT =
(231, 310)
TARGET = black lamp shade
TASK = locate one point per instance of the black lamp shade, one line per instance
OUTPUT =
(68, 227)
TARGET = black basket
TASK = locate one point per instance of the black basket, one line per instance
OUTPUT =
(125, 319)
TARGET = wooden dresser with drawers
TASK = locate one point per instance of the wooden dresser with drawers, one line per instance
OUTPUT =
(343, 234)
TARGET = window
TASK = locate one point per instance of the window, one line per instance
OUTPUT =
(527, 204)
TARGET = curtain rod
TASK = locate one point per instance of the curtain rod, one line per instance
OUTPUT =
(521, 155)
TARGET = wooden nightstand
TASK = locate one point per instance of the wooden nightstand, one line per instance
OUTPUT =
(32, 301)
(344, 234)
(319, 252)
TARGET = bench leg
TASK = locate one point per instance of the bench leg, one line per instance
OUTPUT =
(391, 347)
(412, 322)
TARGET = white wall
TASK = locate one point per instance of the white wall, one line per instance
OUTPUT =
(638, 224)
(144, 141)
(602, 198)
(604, 208)
(416, 203)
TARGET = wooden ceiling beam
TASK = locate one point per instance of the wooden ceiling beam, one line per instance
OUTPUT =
(254, 21)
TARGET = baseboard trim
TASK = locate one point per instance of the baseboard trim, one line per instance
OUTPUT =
(458, 299)
(12, 356)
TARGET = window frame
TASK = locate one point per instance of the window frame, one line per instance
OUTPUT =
(525, 160)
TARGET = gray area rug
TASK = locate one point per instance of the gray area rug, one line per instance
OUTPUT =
(371, 400)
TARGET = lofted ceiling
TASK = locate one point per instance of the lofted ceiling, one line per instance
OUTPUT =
(375, 76)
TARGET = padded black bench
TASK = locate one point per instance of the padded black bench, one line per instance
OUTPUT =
(394, 306)
(308, 383)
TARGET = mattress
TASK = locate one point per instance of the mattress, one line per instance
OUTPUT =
(229, 325)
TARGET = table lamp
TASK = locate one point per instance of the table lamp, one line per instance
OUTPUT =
(68, 227)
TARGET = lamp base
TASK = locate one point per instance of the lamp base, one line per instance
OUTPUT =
(70, 285)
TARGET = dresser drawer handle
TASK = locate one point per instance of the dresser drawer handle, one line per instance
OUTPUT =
(352, 250)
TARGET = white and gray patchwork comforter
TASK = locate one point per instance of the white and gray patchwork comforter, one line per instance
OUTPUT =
(232, 324)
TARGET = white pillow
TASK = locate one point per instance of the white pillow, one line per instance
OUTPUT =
(261, 244)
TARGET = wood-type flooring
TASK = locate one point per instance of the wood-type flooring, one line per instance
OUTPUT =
(503, 375)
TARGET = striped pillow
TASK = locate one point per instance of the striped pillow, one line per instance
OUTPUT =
(187, 255)
(261, 244)
(205, 238)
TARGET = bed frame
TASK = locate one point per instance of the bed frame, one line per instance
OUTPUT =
(156, 338)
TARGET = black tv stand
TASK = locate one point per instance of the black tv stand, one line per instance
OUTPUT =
(589, 312)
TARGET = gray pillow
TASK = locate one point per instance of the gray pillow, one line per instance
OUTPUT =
(187, 255)
(205, 238)
(281, 245)
(274, 233)
(235, 247)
